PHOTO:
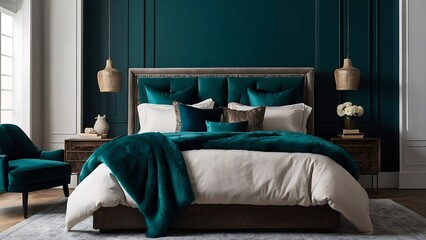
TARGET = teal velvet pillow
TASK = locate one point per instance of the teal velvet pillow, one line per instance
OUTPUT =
(194, 119)
(269, 99)
(157, 97)
(226, 126)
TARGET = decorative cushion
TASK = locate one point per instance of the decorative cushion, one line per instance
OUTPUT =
(226, 126)
(158, 97)
(191, 119)
(254, 117)
(161, 118)
(284, 118)
(269, 99)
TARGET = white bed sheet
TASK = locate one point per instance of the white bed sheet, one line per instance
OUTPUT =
(242, 177)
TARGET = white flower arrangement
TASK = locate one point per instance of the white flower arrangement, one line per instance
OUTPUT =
(348, 109)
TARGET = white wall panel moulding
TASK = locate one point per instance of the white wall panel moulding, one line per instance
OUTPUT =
(9, 5)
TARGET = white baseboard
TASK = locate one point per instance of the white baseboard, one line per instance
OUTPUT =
(386, 180)
(412, 180)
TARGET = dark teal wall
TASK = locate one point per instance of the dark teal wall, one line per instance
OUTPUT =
(253, 33)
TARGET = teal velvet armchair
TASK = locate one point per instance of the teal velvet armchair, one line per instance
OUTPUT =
(25, 168)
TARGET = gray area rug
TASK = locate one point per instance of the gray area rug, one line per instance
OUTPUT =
(390, 220)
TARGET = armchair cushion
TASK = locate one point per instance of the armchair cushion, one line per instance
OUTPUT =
(28, 171)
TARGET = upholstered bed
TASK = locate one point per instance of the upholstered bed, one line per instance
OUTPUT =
(328, 189)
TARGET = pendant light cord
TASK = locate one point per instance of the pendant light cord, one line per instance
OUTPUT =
(109, 29)
(347, 28)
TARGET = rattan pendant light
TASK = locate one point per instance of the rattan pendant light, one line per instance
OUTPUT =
(347, 77)
(109, 79)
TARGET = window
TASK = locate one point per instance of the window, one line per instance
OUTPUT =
(6, 68)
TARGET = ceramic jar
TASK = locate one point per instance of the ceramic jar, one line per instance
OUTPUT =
(101, 126)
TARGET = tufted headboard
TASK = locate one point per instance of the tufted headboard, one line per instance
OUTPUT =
(224, 85)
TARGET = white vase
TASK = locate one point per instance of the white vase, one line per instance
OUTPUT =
(101, 126)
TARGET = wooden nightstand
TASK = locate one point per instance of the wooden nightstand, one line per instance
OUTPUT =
(366, 152)
(78, 150)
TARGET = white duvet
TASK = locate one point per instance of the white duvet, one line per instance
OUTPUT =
(242, 177)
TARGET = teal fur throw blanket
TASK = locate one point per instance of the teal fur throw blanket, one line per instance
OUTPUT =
(151, 168)
(267, 141)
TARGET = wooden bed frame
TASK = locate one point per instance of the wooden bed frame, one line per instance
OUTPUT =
(220, 216)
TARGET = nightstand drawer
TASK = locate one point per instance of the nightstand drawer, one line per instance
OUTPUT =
(82, 146)
(362, 155)
(77, 151)
(365, 151)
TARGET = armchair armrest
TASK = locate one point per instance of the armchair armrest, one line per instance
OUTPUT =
(4, 169)
(57, 155)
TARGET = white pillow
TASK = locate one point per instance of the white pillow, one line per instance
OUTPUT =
(285, 118)
(161, 118)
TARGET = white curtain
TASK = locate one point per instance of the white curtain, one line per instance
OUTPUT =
(9, 5)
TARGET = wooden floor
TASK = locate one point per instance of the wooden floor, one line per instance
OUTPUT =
(11, 211)
(412, 199)
(11, 203)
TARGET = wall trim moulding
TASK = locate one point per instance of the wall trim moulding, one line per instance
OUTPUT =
(413, 153)
(410, 180)
(412, 137)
